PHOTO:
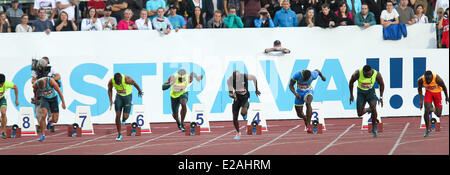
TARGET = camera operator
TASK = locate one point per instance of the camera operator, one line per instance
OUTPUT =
(40, 68)
(277, 48)
(264, 19)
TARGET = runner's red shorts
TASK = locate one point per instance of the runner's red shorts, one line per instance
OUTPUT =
(431, 97)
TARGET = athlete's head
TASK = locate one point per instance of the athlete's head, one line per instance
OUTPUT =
(306, 74)
(2, 80)
(41, 83)
(182, 74)
(367, 71)
(428, 77)
(46, 59)
(118, 78)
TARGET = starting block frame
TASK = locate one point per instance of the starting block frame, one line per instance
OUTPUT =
(130, 129)
(9, 132)
(250, 130)
(188, 130)
(70, 128)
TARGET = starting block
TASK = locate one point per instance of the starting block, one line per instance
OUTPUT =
(254, 129)
(316, 127)
(192, 129)
(133, 129)
(74, 130)
(14, 132)
(435, 123)
(379, 125)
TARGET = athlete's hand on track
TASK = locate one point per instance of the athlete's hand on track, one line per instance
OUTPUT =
(17, 103)
(351, 99)
(258, 93)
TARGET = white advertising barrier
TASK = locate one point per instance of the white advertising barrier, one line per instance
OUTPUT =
(27, 122)
(201, 117)
(83, 118)
(141, 118)
(256, 113)
(88, 60)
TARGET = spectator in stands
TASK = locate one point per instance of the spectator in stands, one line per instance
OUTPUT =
(176, 20)
(206, 6)
(316, 4)
(152, 7)
(108, 22)
(118, 8)
(389, 16)
(439, 31)
(277, 48)
(161, 23)
(424, 4)
(23, 26)
(334, 4)
(49, 6)
(420, 17)
(325, 18)
(216, 21)
(67, 6)
(135, 6)
(197, 21)
(264, 19)
(181, 6)
(14, 14)
(299, 7)
(365, 18)
(99, 6)
(344, 17)
(42, 24)
(444, 25)
(406, 13)
(64, 24)
(236, 4)
(269, 5)
(232, 20)
(440, 4)
(308, 20)
(354, 6)
(285, 17)
(375, 6)
(91, 23)
(251, 12)
(126, 23)
(144, 23)
(5, 27)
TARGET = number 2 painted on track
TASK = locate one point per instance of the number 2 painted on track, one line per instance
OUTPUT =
(315, 114)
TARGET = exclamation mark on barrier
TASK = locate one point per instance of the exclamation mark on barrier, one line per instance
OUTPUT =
(419, 68)
(396, 81)
(374, 63)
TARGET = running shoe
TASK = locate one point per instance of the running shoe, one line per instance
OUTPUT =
(427, 133)
(123, 122)
(52, 128)
(119, 137)
(183, 129)
(245, 117)
(42, 138)
(238, 136)
(3, 135)
(49, 125)
(374, 133)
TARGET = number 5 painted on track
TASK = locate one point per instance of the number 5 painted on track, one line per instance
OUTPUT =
(200, 118)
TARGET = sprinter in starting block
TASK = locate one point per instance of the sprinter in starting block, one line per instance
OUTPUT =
(304, 93)
(366, 93)
(434, 85)
(5, 85)
(122, 84)
(238, 90)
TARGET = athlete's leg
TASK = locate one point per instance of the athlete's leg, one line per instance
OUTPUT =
(4, 120)
(118, 121)
(175, 106)
(426, 115)
(183, 111)
(374, 113)
(308, 101)
(236, 107)
(42, 121)
(299, 110)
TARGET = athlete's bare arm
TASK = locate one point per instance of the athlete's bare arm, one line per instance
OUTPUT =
(194, 75)
(419, 89)
(56, 87)
(253, 78)
(381, 83)
(354, 77)
(230, 88)
(441, 83)
(110, 86)
(129, 80)
(320, 74)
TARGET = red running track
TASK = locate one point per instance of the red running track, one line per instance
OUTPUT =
(401, 136)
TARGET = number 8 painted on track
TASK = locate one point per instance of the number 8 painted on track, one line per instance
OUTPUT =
(26, 120)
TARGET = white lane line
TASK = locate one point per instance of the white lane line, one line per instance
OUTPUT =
(268, 143)
(137, 145)
(335, 140)
(70, 146)
(398, 140)
(198, 146)
(33, 140)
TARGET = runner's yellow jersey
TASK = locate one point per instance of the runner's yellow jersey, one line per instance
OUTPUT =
(5, 87)
(179, 88)
(122, 89)
(366, 83)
